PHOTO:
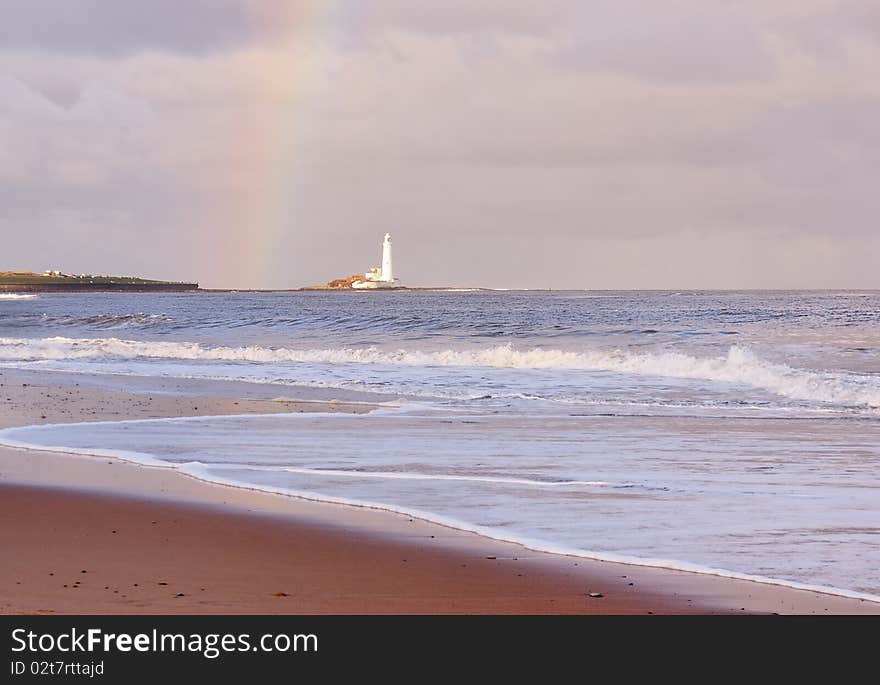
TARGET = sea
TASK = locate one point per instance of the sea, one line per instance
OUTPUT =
(733, 433)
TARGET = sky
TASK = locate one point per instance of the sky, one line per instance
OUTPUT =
(503, 143)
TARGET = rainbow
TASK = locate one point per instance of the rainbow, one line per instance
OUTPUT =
(291, 82)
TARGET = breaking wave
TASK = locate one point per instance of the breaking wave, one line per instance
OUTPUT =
(739, 365)
(17, 296)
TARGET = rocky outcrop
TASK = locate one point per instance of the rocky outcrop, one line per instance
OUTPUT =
(338, 283)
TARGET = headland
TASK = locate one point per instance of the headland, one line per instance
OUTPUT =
(55, 281)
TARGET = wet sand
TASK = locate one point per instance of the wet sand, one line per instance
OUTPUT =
(94, 535)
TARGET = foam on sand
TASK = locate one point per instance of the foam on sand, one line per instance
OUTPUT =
(202, 472)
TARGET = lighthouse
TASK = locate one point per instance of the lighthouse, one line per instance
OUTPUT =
(379, 276)
(387, 267)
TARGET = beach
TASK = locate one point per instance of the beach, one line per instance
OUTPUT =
(104, 536)
(435, 308)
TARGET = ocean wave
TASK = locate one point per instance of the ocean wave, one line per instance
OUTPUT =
(111, 321)
(739, 365)
(17, 296)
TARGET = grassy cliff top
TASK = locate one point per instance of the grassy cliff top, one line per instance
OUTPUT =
(28, 278)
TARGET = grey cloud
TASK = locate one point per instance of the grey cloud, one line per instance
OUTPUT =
(827, 29)
(123, 26)
(707, 41)
(701, 41)
(199, 26)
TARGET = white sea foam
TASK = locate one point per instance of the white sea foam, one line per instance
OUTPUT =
(491, 480)
(203, 473)
(739, 365)
(17, 296)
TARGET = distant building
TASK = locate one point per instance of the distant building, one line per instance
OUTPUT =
(379, 276)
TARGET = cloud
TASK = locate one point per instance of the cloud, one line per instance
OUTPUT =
(123, 26)
(706, 41)
(560, 144)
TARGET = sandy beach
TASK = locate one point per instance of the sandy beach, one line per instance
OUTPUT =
(94, 535)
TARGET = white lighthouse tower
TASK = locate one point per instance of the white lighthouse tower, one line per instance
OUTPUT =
(387, 266)
(379, 276)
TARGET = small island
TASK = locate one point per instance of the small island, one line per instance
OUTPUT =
(56, 281)
(379, 277)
